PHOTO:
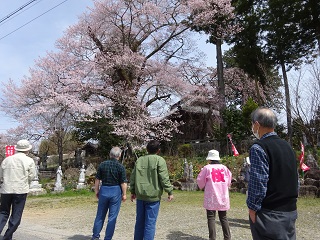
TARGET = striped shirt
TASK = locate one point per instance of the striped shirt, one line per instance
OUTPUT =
(111, 173)
(259, 175)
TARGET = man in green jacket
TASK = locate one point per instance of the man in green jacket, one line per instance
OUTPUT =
(148, 180)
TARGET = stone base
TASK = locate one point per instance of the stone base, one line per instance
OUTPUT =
(37, 191)
(81, 186)
(35, 185)
(189, 186)
(58, 189)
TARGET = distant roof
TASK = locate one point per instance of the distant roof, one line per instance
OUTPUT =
(194, 107)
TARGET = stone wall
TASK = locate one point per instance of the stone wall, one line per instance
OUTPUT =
(310, 185)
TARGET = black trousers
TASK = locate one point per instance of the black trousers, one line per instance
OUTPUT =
(211, 217)
(15, 203)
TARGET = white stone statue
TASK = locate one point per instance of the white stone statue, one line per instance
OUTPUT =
(35, 187)
(82, 176)
(59, 177)
(36, 175)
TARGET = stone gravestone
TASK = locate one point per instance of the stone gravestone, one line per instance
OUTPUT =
(311, 162)
(58, 185)
(310, 185)
(82, 178)
(44, 161)
(36, 188)
(91, 170)
(190, 172)
(78, 157)
(314, 172)
(189, 184)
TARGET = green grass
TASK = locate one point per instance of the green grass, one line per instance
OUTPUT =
(183, 198)
(65, 194)
(309, 203)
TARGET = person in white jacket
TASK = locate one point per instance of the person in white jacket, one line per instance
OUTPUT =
(16, 173)
(215, 178)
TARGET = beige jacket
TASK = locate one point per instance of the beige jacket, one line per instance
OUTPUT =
(16, 172)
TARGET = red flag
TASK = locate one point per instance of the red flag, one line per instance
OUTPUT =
(233, 148)
(10, 150)
(303, 166)
(301, 157)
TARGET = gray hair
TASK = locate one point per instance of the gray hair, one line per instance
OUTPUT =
(265, 117)
(115, 152)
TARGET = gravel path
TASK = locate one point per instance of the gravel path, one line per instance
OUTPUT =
(58, 219)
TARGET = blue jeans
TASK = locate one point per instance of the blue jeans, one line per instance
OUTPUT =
(147, 213)
(16, 202)
(109, 200)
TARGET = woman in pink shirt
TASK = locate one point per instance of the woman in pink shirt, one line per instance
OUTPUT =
(215, 178)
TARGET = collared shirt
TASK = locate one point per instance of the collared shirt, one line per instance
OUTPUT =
(259, 175)
(111, 173)
(16, 172)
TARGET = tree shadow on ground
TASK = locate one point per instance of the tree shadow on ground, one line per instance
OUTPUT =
(243, 223)
(180, 235)
(79, 237)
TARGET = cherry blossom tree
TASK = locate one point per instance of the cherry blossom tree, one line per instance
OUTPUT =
(127, 61)
(47, 102)
(122, 60)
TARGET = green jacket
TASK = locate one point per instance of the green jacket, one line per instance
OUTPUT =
(149, 178)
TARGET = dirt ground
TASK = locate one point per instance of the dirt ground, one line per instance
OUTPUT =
(73, 219)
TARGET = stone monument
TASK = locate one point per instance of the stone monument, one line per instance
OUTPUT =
(185, 169)
(58, 185)
(44, 161)
(190, 171)
(78, 157)
(188, 183)
(35, 187)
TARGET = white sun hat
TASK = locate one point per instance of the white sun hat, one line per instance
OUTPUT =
(213, 155)
(23, 146)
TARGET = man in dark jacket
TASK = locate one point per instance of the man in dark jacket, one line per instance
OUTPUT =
(273, 182)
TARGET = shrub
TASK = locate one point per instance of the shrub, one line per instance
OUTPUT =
(185, 151)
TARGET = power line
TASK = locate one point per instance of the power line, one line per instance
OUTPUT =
(33, 19)
(16, 15)
(18, 10)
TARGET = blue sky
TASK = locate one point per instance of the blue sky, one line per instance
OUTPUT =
(24, 45)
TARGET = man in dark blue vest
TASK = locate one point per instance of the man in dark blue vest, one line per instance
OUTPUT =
(273, 182)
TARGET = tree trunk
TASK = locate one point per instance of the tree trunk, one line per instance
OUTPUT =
(221, 86)
(260, 102)
(288, 104)
(221, 91)
(60, 146)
